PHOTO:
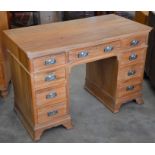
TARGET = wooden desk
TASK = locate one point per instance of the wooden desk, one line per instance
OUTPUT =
(41, 59)
(4, 64)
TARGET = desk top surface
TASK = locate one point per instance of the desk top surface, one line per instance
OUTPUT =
(64, 36)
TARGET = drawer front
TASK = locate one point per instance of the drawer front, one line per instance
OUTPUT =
(49, 61)
(51, 96)
(130, 87)
(92, 52)
(129, 97)
(132, 71)
(133, 56)
(51, 113)
(134, 41)
(49, 78)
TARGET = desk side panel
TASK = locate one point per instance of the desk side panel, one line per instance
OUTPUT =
(4, 64)
(17, 52)
(23, 93)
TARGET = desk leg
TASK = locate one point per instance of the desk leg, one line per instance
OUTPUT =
(37, 134)
(68, 125)
(139, 100)
(4, 92)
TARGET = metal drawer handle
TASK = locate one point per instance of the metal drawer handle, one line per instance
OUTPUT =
(50, 77)
(52, 113)
(131, 72)
(134, 42)
(128, 88)
(108, 48)
(50, 61)
(51, 95)
(83, 54)
(133, 56)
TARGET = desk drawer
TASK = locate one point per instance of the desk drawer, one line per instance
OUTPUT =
(131, 71)
(49, 61)
(49, 78)
(51, 113)
(134, 41)
(133, 86)
(133, 56)
(92, 52)
(51, 96)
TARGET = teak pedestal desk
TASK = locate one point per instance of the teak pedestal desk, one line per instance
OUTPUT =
(41, 58)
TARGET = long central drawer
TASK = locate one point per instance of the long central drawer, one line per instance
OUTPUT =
(91, 52)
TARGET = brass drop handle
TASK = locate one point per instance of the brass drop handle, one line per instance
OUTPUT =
(51, 95)
(133, 56)
(108, 48)
(134, 42)
(52, 113)
(131, 72)
(50, 61)
(83, 54)
(50, 77)
(129, 88)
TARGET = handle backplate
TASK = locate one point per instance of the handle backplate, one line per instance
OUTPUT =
(131, 72)
(52, 113)
(83, 54)
(50, 61)
(50, 77)
(108, 48)
(129, 88)
(134, 42)
(133, 56)
(51, 95)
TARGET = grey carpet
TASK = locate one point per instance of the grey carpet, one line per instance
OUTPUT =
(92, 121)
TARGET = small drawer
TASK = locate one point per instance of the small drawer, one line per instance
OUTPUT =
(129, 88)
(134, 41)
(92, 52)
(132, 71)
(49, 78)
(51, 96)
(49, 61)
(51, 113)
(129, 97)
(133, 56)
